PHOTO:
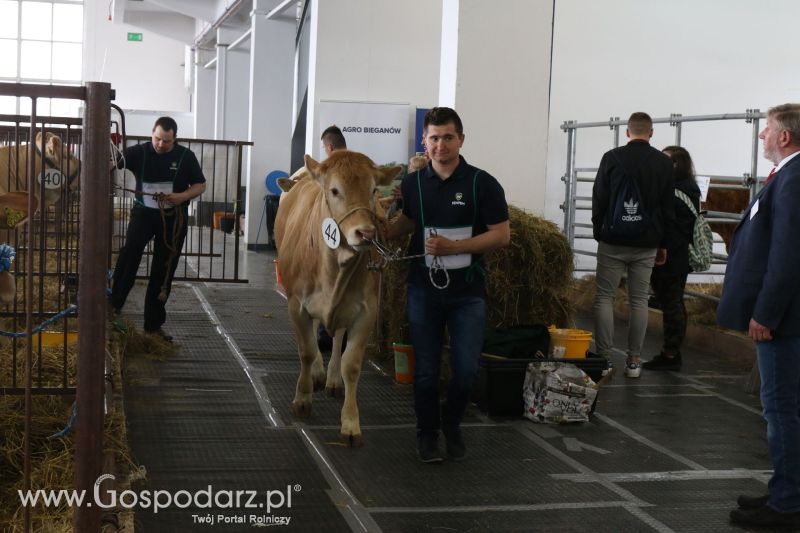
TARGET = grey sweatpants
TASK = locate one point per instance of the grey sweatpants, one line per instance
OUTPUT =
(614, 262)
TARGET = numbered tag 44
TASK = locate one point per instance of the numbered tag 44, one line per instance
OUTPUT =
(51, 178)
(331, 234)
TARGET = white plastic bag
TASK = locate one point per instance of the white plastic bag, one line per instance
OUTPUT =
(557, 393)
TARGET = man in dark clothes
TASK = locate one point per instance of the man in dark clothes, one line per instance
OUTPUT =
(455, 213)
(168, 176)
(761, 295)
(632, 254)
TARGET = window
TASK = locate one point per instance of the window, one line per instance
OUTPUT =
(41, 42)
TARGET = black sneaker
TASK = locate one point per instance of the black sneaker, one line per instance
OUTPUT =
(662, 362)
(752, 502)
(456, 450)
(765, 516)
(428, 449)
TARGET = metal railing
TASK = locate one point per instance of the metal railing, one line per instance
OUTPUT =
(213, 241)
(92, 264)
(574, 203)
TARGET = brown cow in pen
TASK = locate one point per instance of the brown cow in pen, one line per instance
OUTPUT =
(323, 230)
(61, 169)
(726, 201)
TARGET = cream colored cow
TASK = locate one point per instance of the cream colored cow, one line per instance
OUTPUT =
(334, 205)
(61, 169)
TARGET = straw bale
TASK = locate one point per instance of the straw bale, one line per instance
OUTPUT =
(528, 281)
(51, 466)
(698, 310)
(701, 310)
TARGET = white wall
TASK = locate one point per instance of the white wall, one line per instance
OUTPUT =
(615, 57)
(145, 75)
(501, 92)
(140, 122)
(375, 51)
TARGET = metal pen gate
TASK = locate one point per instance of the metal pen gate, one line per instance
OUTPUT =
(52, 237)
(578, 199)
(213, 241)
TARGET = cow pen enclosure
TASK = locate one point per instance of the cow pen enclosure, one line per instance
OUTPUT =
(62, 242)
(728, 189)
(60, 260)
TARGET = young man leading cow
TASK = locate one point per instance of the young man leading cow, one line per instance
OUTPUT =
(455, 212)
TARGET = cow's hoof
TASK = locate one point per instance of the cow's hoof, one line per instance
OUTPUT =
(354, 441)
(335, 392)
(301, 409)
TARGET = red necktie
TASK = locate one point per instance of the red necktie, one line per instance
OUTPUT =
(769, 176)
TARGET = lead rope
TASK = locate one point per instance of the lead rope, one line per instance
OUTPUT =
(387, 256)
(172, 245)
(437, 266)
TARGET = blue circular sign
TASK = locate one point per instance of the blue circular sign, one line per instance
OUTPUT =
(272, 181)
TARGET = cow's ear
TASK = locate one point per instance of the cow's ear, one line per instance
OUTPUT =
(388, 174)
(53, 145)
(312, 166)
(285, 184)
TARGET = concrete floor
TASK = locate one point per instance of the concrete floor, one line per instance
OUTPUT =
(666, 452)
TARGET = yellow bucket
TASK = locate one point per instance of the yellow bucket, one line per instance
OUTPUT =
(574, 341)
(403, 362)
(54, 338)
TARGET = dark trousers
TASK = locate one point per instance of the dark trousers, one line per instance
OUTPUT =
(465, 317)
(146, 224)
(779, 366)
(668, 291)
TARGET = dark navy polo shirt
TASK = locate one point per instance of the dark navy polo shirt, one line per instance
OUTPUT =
(453, 202)
(179, 165)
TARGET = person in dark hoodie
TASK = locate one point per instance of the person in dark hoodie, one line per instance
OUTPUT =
(630, 251)
(669, 280)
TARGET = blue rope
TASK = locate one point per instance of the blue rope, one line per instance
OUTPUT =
(68, 311)
(7, 254)
(63, 433)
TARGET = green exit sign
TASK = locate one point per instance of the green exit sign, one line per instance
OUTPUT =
(134, 36)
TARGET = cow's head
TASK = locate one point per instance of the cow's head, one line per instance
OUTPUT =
(349, 182)
(58, 158)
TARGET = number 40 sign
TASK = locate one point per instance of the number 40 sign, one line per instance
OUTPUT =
(51, 178)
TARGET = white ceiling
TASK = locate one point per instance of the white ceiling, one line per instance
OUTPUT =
(188, 20)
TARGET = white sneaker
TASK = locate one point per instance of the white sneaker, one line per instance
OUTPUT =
(633, 370)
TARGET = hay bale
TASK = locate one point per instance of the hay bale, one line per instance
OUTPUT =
(528, 281)
(699, 311)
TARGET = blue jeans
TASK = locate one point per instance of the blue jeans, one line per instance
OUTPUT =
(779, 365)
(465, 318)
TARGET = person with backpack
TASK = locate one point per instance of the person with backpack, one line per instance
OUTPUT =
(669, 280)
(633, 220)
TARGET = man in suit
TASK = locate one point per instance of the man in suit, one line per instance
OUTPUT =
(761, 295)
(633, 253)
